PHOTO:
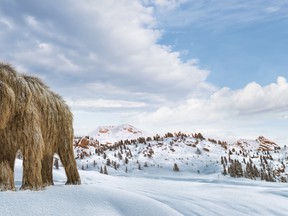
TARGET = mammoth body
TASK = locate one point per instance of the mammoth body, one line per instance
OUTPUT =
(39, 123)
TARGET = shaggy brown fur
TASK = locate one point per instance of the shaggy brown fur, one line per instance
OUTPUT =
(39, 123)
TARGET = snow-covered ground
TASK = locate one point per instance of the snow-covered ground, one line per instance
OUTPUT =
(148, 193)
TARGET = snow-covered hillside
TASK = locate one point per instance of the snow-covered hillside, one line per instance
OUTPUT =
(261, 159)
(189, 153)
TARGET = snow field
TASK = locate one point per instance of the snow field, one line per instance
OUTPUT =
(154, 194)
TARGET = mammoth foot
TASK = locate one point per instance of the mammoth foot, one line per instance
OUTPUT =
(74, 182)
(32, 187)
(48, 183)
(5, 187)
(6, 177)
(32, 184)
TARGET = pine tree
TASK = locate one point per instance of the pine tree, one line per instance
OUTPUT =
(108, 162)
(126, 160)
(224, 171)
(176, 168)
(262, 175)
(225, 160)
(56, 163)
(130, 153)
(198, 151)
(120, 156)
(105, 170)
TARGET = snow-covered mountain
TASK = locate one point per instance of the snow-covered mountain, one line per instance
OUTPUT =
(111, 134)
(190, 153)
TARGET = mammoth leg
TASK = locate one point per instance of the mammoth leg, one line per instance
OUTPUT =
(32, 157)
(66, 155)
(7, 174)
(47, 170)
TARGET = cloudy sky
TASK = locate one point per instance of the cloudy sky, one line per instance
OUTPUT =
(218, 67)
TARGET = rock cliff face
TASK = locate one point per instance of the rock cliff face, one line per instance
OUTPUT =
(84, 143)
(260, 144)
(266, 145)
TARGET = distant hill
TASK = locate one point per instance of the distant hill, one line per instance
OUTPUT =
(111, 134)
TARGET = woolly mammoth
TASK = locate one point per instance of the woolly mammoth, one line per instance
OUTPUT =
(36, 121)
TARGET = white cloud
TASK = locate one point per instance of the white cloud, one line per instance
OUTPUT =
(48, 56)
(113, 42)
(88, 104)
(165, 4)
(45, 47)
(222, 14)
(31, 21)
(272, 9)
(143, 58)
(5, 22)
(67, 63)
(255, 98)
(225, 103)
(43, 27)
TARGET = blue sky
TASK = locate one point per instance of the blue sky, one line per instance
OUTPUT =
(219, 67)
(238, 44)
